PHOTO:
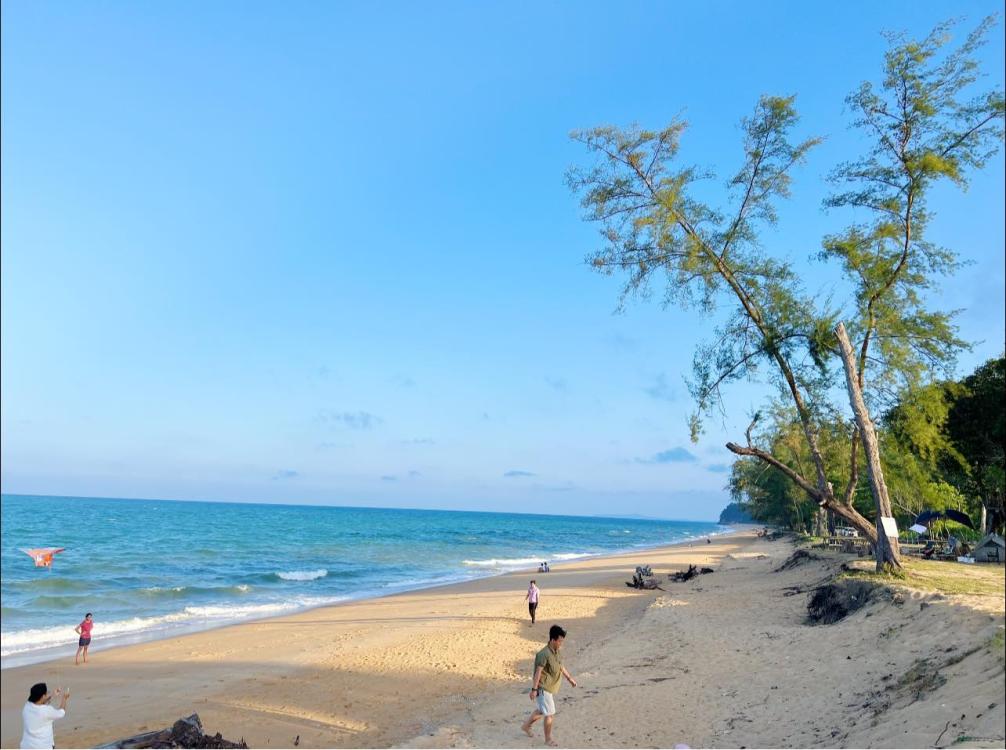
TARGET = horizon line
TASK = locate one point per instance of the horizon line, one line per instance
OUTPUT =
(629, 517)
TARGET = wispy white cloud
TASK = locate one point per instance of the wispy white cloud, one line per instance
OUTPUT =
(558, 384)
(354, 420)
(661, 389)
(671, 456)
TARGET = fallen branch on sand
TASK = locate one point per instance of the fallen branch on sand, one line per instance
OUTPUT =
(643, 578)
(687, 575)
(187, 732)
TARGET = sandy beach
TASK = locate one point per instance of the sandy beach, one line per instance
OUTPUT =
(723, 660)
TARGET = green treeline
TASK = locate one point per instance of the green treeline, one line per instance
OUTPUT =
(942, 448)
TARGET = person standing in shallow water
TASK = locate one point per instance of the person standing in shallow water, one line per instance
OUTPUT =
(532, 599)
(548, 674)
(84, 631)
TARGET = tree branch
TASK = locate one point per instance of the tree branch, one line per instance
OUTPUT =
(768, 458)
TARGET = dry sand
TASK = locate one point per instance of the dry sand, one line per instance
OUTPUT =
(723, 660)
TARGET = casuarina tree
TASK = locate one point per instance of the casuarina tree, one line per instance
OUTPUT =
(926, 125)
(655, 226)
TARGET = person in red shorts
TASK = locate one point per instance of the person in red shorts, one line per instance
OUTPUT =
(84, 631)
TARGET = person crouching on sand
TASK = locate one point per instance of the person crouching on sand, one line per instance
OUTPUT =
(37, 716)
(84, 631)
(548, 674)
(532, 599)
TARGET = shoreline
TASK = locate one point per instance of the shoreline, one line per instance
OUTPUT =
(722, 660)
(403, 641)
(52, 654)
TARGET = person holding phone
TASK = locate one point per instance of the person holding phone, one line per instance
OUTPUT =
(38, 715)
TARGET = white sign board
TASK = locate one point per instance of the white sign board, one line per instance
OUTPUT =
(890, 526)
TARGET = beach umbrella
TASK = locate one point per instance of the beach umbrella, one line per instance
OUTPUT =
(928, 515)
(961, 518)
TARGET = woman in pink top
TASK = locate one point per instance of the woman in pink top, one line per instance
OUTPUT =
(532, 599)
(84, 631)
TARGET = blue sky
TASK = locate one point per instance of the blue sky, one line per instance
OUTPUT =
(324, 252)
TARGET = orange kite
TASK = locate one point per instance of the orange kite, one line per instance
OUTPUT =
(43, 556)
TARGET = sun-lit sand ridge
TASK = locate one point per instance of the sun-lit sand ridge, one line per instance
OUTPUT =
(722, 660)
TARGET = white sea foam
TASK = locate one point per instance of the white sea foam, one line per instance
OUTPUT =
(412, 584)
(303, 575)
(570, 555)
(523, 562)
(504, 562)
(189, 619)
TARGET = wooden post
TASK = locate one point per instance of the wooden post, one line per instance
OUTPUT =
(888, 552)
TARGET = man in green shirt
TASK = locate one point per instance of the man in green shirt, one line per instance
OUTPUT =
(548, 674)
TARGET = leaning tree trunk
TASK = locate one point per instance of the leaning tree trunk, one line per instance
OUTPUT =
(822, 494)
(820, 522)
(888, 552)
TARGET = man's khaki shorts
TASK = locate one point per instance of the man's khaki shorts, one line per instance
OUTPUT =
(546, 703)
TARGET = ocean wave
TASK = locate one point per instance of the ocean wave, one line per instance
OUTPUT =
(302, 575)
(504, 562)
(571, 555)
(523, 562)
(190, 618)
(67, 601)
(52, 583)
(178, 592)
(159, 590)
(408, 584)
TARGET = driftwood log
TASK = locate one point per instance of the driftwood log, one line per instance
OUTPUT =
(187, 732)
(687, 575)
(643, 578)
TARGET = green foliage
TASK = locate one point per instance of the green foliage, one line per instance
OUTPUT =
(976, 427)
(735, 513)
(768, 495)
(927, 125)
(941, 447)
(918, 422)
(653, 226)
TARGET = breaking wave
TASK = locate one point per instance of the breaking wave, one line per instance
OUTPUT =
(302, 575)
(187, 620)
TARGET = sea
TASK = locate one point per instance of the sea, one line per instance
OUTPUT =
(150, 569)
